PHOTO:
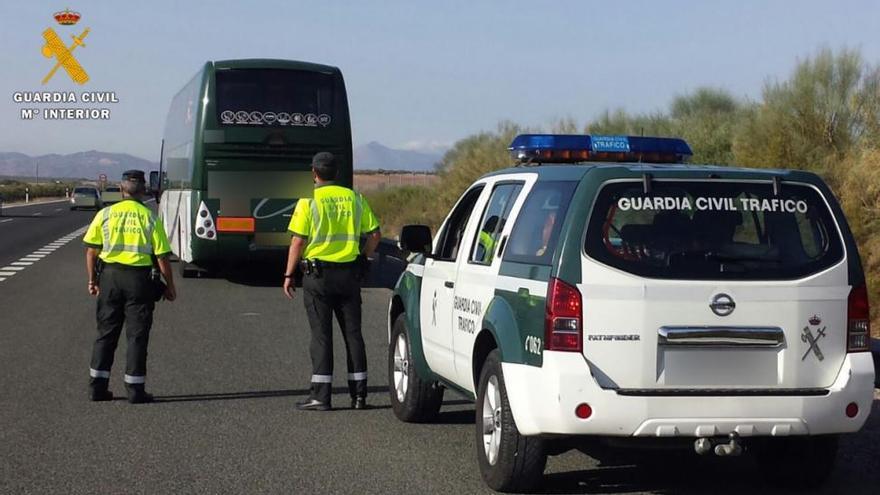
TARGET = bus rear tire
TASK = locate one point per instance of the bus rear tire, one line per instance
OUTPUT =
(188, 270)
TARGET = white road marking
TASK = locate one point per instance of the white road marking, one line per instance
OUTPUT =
(37, 214)
(39, 254)
(39, 203)
(7, 220)
(58, 209)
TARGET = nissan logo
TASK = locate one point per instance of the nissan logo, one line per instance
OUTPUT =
(722, 304)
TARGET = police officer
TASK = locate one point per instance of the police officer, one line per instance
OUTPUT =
(325, 244)
(127, 237)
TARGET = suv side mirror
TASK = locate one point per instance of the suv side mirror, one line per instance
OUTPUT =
(415, 239)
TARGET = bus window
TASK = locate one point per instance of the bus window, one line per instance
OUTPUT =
(274, 97)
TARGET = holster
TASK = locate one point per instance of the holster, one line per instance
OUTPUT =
(312, 268)
(156, 281)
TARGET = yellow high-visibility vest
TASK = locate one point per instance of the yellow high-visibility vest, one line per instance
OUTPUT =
(332, 222)
(127, 233)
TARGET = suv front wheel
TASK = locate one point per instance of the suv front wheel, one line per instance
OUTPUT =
(413, 399)
(508, 460)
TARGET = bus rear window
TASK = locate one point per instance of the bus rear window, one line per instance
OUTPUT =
(274, 97)
(713, 230)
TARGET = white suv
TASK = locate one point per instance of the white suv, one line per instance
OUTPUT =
(725, 307)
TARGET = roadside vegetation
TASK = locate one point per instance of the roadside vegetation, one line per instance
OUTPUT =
(824, 118)
(13, 190)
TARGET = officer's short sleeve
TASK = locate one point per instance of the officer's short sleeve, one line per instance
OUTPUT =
(369, 222)
(161, 246)
(94, 237)
(301, 220)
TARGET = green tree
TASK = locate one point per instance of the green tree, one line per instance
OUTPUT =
(707, 120)
(860, 198)
(812, 120)
(471, 158)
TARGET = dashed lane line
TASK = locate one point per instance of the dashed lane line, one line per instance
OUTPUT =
(6, 220)
(29, 260)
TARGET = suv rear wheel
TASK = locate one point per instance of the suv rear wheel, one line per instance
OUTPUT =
(508, 460)
(413, 399)
(797, 462)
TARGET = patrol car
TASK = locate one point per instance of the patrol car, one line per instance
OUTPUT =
(603, 289)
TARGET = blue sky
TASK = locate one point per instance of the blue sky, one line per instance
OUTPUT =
(421, 74)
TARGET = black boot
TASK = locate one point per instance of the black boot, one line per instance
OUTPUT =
(98, 390)
(359, 403)
(137, 394)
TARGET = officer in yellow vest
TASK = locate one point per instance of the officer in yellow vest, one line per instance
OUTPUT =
(325, 244)
(126, 237)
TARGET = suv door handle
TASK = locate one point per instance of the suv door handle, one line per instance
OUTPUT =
(449, 284)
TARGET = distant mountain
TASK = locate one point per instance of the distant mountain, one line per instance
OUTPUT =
(90, 164)
(373, 156)
(86, 164)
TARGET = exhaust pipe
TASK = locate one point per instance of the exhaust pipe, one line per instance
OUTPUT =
(705, 446)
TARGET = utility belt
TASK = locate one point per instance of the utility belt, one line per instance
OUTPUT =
(157, 285)
(316, 268)
(119, 266)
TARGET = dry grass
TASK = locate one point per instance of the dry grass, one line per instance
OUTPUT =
(368, 182)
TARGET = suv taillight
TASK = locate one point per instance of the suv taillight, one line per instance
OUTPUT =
(563, 329)
(858, 320)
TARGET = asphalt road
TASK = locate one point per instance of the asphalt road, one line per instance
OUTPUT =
(227, 362)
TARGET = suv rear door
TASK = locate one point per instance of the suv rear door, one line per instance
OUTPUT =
(478, 264)
(711, 284)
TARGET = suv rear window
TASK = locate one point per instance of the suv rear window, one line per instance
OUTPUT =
(85, 190)
(713, 230)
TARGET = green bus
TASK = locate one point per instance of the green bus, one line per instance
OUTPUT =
(236, 156)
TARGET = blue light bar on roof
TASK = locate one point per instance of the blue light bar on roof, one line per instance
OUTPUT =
(571, 148)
